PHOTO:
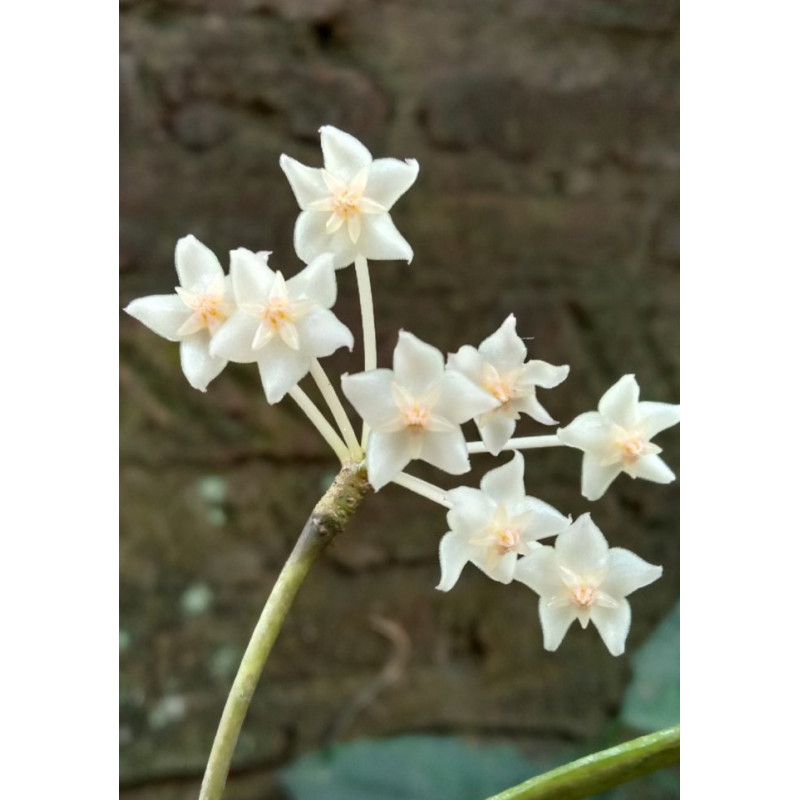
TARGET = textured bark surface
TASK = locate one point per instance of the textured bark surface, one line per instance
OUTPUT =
(547, 136)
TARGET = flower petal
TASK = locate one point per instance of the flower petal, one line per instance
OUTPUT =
(540, 373)
(370, 393)
(447, 451)
(620, 403)
(471, 510)
(311, 240)
(196, 264)
(316, 282)
(656, 417)
(461, 399)
(546, 521)
(504, 348)
(627, 573)
(343, 154)
(582, 548)
(613, 625)
(501, 570)
(596, 477)
(468, 361)
(199, 367)
(306, 182)
(496, 430)
(321, 333)
(651, 468)
(389, 179)
(556, 621)
(164, 314)
(454, 553)
(588, 432)
(387, 456)
(531, 406)
(281, 368)
(505, 484)
(418, 366)
(381, 241)
(539, 571)
(234, 340)
(252, 278)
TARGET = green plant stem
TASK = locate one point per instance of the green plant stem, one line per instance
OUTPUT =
(601, 771)
(329, 517)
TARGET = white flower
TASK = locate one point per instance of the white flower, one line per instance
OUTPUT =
(498, 365)
(415, 411)
(345, 206)
(581, 578)
(616, 438)
(492, 526)
(281, 325)
(194, 313)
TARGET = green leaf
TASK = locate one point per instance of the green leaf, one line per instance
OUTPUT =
(652, 700)
(407, 768)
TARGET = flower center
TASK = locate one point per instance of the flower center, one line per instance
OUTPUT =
(210, 311)
(278, 315)
(584, 595)
(277, 312)
(415, 415)
(346, 202)
(506, 539)
(500, 387)
(632, 448)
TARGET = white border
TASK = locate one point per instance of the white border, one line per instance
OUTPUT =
(59, 155)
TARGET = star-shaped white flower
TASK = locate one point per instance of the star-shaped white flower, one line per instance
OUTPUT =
(194, 313)
(498, 366)
(345, 206)
(493, 525)
(281, 325)
(616, 438)
(415, 411)
(581, 578)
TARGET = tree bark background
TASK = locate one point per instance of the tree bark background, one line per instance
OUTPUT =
(547, 136)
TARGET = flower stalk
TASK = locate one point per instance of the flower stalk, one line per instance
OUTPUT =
(601, 771)
(367, 325)
(327, 520)
(337, 409)
(520, 443)
(422, 488)
(318, 420)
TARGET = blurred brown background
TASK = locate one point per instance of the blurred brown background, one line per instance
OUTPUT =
(547, 136)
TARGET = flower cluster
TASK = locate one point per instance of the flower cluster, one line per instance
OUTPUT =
(252, 315)
(416, 410)
(498, 528)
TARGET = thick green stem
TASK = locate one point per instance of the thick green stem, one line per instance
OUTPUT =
(601, 771)
(326, 521)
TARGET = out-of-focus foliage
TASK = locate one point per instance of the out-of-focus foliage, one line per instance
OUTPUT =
(408, 768)
(652, 700)
(414, 767)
